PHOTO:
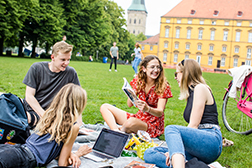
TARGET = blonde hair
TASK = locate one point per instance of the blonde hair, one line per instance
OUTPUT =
(62, 113)
(160, 81)
(61, 46)
(191, 74)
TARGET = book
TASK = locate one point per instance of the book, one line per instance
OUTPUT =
(129, 92)
(136, 164)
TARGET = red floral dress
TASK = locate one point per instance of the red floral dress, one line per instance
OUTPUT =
(155, 124)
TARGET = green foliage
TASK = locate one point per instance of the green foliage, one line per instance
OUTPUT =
(141, 37)
(103, 86)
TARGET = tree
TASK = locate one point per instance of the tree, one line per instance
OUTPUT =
(141, 37)
(117, 31)
(44, 24)
(87, 25)
(12, 15)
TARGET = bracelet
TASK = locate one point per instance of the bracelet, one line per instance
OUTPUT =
(148, 109)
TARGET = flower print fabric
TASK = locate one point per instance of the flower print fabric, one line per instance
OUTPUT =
(155, 124)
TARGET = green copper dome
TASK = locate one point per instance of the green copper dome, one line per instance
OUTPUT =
(137, 5)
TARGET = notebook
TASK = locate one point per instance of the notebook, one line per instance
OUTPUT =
(109, 145)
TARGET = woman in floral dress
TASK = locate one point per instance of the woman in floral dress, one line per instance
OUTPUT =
(153, 90)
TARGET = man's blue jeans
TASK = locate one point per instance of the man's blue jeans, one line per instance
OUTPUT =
(135, 63)
(204, 144)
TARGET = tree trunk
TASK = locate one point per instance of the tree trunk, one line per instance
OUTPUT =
(34, 45)
(20, 46)
(47, 48)
(1, 45)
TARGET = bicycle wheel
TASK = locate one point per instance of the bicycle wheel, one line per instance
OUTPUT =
(234, 119)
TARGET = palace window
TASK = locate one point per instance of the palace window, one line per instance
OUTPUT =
(176, 46)
(212, 35)
(223, 59)
(177, 33)
(224, 48)
(226, 23)
(225, 35)
(249, 53)
(166, 45)
(165, 57)
(210, 60)
(211, 48)
(235, 62)
(168, 20)
(198, 58)
(167, 32)
(178, 21)
(200, 34)
(175, 58)
(188, 34)
(236, 50)
(199, 46)
(250, 38)
(237, 36)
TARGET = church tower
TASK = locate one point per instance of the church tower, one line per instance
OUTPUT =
(137, 14)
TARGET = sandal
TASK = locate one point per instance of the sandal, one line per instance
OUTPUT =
(226, 142)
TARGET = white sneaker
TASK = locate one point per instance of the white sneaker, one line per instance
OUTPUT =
(109, 69)
(115, 70)
(135, 75)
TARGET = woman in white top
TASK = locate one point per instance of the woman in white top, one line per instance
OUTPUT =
(138, 55)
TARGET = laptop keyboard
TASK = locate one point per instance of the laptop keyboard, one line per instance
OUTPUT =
(101, 155)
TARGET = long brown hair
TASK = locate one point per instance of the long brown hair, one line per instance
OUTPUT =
(191, 74)
(160, 81)
(62, 113)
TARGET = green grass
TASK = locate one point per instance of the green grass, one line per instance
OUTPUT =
(103, 86)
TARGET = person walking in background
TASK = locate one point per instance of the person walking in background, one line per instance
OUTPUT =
(114, 55)
(153, 91)
(54, 135)
(202, 137)
(138, 56)
(64, 38)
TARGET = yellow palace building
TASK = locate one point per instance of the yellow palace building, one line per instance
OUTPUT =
(216, 33)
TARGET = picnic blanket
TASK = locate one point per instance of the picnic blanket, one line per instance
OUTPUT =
(120, 162)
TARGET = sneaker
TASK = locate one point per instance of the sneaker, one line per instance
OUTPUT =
(109, 69)
(115, 70)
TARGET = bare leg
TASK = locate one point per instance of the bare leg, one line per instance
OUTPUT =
(178, 160)
(113, 115)
(132, 125)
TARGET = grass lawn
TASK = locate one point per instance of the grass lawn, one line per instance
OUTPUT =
(103, 86)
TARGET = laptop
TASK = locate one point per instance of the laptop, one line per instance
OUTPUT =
(109, 145)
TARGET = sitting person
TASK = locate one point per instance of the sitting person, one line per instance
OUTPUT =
(202, 137)
(44, 80)
(153, 91)
(54, 135)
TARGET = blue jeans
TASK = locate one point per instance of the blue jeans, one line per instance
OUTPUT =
(204, 144)
(16, 156)
(135, 63)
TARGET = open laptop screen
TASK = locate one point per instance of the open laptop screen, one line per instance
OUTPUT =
(110, 142)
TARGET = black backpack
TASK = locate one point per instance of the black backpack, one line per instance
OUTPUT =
(13, 120)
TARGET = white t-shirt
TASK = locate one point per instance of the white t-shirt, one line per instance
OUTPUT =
(138, 52)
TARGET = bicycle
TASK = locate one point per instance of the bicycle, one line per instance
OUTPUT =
(237, 112)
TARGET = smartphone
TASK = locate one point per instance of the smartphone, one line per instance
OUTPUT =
(106, 167)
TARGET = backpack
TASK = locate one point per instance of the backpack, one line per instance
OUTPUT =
(14, 126)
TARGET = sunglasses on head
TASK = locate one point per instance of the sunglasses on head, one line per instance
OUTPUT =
(182, 62)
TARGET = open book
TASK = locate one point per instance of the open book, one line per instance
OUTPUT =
(129, 92)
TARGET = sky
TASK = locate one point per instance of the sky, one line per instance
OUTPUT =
(155, 9)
